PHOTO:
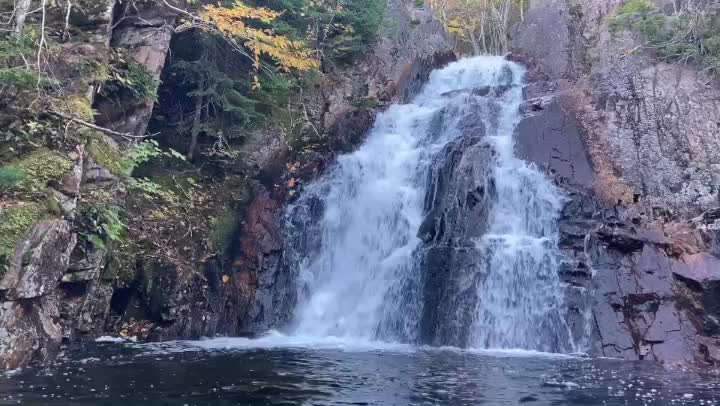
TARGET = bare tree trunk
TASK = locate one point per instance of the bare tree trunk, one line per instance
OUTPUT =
(22, 8)
(474, 42)
(66, 34)
(195, 130)
(507, 5)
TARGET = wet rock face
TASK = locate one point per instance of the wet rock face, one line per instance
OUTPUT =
(460, 192)
(547, 137)
(632, 142)
(457, 205)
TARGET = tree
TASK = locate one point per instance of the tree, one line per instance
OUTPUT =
(218, 97)
(22, 8)
(484, 24)
(236, 24)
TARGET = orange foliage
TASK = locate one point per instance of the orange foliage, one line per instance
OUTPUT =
(233, 23)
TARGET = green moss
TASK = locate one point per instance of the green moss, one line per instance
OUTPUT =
(636, 6)
(366, 103)
(108, 156)
(15, 222)
(94, 71)
(79, 106)
(39, 168)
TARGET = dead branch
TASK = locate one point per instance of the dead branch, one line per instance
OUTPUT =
(126, 136)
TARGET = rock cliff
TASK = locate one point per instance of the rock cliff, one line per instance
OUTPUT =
(633, 141)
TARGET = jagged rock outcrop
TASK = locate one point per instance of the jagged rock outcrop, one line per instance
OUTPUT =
(145, 31)
(633, 143)
(457, 204)
(460, 193)
(29, 316)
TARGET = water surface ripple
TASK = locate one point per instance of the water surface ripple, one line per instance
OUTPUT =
(234, 373)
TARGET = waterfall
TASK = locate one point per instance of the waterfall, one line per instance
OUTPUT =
(354, 232)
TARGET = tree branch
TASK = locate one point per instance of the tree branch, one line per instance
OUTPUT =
(126, 136)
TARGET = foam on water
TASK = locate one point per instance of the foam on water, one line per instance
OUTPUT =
(277, 340)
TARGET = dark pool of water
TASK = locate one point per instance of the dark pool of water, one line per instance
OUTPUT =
(115, 374)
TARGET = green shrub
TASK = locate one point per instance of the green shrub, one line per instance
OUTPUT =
(687, 36)
(20, 79)
(16, 77)
(356, 28)
(103, 223)
(122, 162)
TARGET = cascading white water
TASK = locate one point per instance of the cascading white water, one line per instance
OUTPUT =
(372, 208)
(520, 303)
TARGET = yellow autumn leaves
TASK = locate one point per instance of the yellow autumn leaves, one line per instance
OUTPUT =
(233, 23)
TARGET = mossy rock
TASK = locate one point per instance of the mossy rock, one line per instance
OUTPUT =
(37, 169)
(108, 156)
(15, 222)
(95, 71)
(78, 106)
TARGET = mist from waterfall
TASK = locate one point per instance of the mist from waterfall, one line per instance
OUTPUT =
(356, 228)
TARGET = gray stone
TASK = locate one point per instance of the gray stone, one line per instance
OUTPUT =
(39, 261)
(28, 332)
(81, 276)
(145, 31)
(70, 184)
